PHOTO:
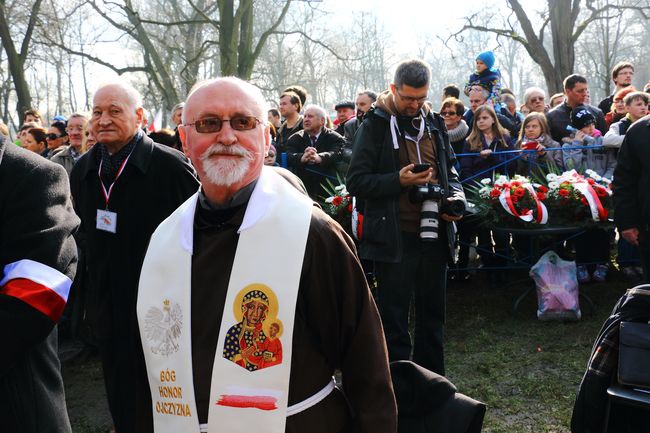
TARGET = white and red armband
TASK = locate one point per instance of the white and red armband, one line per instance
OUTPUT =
(40, 286)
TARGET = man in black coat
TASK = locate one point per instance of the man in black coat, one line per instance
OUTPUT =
(122, 189)
(576, 91)
(38, 260)
(622, 74)
(631, 185)
(313, 152)
(408, 234)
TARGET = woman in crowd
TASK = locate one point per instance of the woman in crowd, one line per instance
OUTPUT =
(536, 135)
(35, 139)
(57, 137)
(88, 139)
(452, 110)
(486, 138)
(555, 100)
(535, 100)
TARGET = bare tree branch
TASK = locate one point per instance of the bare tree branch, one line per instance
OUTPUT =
(24, 48)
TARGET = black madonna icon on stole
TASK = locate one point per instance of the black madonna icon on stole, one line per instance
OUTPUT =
(254, 341)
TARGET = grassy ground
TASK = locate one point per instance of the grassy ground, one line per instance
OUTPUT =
(526, 371)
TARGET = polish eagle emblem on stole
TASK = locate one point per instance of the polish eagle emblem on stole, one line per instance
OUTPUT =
(162, 328)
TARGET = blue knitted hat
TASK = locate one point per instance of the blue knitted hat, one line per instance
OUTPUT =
(486, 57)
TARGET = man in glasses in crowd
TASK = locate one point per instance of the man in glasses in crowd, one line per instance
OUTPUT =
(236, 273)
(69, 156)
(122, 189)
(402, 166)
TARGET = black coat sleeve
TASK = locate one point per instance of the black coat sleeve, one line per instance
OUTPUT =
(363, 179)
(332, 149)
(36, 223)
(627, 175)
(295, 147)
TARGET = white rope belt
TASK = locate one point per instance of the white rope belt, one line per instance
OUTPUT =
(313, 400)
(300, 406)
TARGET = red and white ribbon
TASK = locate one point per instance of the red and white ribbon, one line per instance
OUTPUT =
(38, 285)
(598, 212)
(540, 214)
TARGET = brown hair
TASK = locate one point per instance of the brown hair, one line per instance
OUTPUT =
(634, 96)
(293, 98)
(474, 139)
(456, 103)
(39, 134)
(529, 118)
(619, 66)
(34, 112)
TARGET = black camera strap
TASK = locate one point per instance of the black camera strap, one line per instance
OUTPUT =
(441, 155)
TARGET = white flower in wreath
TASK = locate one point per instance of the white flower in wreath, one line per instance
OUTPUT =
(486, 181)
(329, 199)
(596, 177)
(605, 181)
(553, 185)
(551, 177)
(339, 187)
(484, 192)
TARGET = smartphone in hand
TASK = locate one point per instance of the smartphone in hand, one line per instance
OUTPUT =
(419, 168)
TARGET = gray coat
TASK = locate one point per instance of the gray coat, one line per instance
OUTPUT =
(602, 161)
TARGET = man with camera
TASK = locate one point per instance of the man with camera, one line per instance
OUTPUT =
(402, 166)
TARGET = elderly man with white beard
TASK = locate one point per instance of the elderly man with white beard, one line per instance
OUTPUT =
(250, 297)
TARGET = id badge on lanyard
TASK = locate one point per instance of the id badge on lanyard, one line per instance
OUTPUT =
(106, 220)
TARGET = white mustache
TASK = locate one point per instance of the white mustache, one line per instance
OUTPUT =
(221, 149)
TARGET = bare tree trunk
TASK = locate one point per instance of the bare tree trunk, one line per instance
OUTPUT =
(16, 59)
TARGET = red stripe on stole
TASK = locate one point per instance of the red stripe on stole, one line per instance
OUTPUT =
(262, 402)
(38, 296)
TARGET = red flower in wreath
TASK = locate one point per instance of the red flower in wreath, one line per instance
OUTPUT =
(336, 201)
(350, 207)
(520, 192)
(590, 181)
(515, 199)
(542, 189)
(602, 192)
(495, 193)
(584, 201)
(563, 193)
(541, 196)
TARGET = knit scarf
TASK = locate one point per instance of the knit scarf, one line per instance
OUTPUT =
(458, 133)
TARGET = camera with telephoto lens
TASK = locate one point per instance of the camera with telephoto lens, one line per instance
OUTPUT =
(420, 193)
(435, 192)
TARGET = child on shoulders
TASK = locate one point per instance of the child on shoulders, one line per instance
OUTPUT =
(486, 76)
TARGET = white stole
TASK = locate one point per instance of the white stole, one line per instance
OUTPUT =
(250, 377)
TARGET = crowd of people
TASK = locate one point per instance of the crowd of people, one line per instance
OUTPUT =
(161, 266)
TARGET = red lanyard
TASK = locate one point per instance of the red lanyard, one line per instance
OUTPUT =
(107, 194)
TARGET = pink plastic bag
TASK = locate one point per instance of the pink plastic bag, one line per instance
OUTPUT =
(557, 288)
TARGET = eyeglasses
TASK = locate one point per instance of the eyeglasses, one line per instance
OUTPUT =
(214, 124)
(448, 113)
(412, 98)
(52, 136)
(537, 99)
